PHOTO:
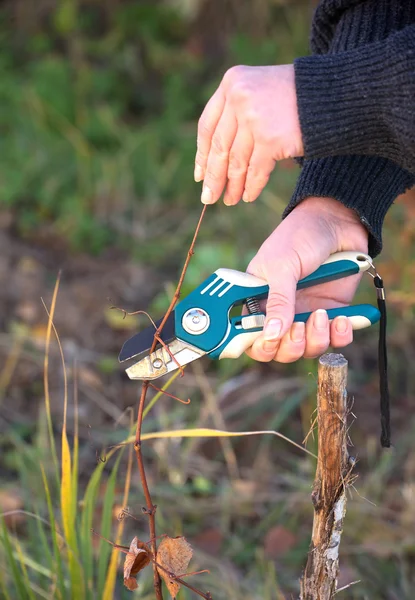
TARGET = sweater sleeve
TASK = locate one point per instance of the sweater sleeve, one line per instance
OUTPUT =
(366, 184)
(360, 101)
(356, 109)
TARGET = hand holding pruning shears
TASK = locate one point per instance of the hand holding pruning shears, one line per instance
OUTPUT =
(250, 122)
(313, 231)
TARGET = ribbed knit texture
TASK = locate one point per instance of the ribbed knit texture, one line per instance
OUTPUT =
(362, 183)
(356, 99)
(360, 101)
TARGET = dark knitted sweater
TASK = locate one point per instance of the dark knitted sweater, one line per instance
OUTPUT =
(356, 102)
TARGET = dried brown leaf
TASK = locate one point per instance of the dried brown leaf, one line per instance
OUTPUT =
(173, 555)
(137, 558)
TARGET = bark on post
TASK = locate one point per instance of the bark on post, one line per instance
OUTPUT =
(333, 473)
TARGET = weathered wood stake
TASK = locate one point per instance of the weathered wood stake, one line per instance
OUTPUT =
(333, 474)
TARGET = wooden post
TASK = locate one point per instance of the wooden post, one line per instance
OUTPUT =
(333, 473)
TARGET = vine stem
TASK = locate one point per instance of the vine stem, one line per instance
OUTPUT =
(150, 507)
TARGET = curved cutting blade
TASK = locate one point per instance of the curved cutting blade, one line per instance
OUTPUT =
(141, 342)
(163, 361)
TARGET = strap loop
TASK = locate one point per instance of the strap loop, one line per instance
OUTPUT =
(383, 365)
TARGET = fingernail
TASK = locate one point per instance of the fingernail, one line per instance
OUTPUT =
(207, 195)
(297, 332)
(320, 319)
(272, 329)
(198, 174)
(342, 324)
(270, 346)
(245, 197)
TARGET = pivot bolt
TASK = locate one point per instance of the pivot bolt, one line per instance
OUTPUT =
(196, 321)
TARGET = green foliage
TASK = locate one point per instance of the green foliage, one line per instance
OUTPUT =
(99, 103)
(98, 118)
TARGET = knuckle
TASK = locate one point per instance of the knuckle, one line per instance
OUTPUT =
(237, 167)
(240, 92)
(203, 130)
(212, 177)
(256, 178)
(288, 357)
(277, 299)
(200, 158)
(233, 74)
(263, 357)
(341, 344)
(255, 267)
(218, 147)
(250, 115)
(253, 171)
(317, 349)
(256, 354)
(312, 354)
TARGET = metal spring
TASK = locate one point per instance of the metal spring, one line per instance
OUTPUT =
(253, 306)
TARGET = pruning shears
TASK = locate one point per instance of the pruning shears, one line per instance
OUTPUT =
(201, 323)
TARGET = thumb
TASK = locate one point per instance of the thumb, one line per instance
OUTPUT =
(279, 311)
(280, 308)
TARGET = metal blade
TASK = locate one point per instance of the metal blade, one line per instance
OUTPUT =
(160, 362)
(141, 342)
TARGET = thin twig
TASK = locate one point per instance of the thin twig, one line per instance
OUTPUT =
(177, 578)
(166, 393)
(135, 312)
(170, 353)
(345, 587)
(183, 273)
(151, 508)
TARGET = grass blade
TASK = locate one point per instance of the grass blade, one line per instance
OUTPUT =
(24, 570)
(106, 521)
(75, 462)
(88, 510)
(3, 587)
(68, 492)
(212, 433)
(66, 488)
(50, 313)
(58, 566)
(109, 586)
(18, 579)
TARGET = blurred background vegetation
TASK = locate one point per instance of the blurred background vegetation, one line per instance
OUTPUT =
(99, 103)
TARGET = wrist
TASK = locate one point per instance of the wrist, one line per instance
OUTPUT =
(290, 105)
(344, 223)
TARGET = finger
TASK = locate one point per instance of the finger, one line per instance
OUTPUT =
(205, 129)
(341, 332)
(280, 308)
(266, 345)
(317, 334)
(292, 345)
(239, 158)
(259, 351)
(217, 164)
(260, 168)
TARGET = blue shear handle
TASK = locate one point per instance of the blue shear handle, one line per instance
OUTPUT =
(361, 315)
(329, 272)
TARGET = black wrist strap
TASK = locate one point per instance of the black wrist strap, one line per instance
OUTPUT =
(383, 366)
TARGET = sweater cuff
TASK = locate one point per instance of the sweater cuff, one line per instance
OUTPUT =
(366, 184)
(344, 99)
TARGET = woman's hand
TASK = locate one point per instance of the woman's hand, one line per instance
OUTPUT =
(313, 231)
(250, 122)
